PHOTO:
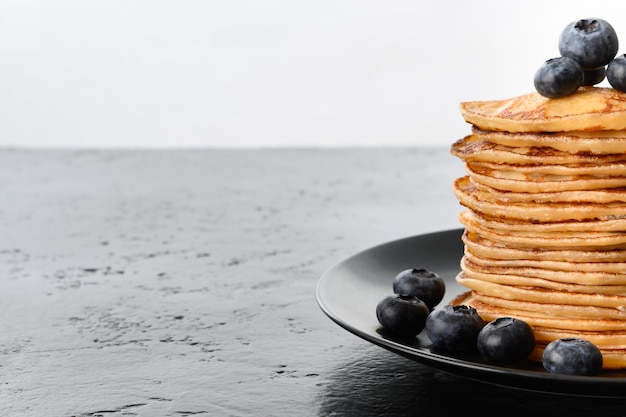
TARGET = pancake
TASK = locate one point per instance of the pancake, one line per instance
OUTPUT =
(541, 295)
(595, 272)
(615, 339)
(552, 239)
(570, 281)
(506, 225)
(602, 142)
(476, 149)
(500, 250)
(608, 195)
(565, 171)
(589, 108)
(474, 199)
(511, 181)
(555, 316)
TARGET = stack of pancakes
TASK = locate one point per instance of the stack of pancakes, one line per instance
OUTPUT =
(545, 218)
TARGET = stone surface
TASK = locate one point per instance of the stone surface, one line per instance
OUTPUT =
(179, 283)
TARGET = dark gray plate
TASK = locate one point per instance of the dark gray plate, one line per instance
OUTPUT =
(349, 292)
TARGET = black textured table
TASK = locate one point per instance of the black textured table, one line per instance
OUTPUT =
(179, 283)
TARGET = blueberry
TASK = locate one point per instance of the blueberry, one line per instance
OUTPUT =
(616, 73)
(572, 356)
(454, 328)
(402, 314)
(595, 76)
(558, 77)
(422, 283)
(505, 341)
(592, 42)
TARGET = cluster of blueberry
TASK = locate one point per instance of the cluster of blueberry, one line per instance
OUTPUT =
(588, 49)
(503, 341)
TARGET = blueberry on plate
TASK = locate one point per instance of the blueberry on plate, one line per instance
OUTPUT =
(591, 42)
(616, 73)
(558, 77)
(505, 341)
(454, 328)
(402, 314)
(572, 356)
(422, 283)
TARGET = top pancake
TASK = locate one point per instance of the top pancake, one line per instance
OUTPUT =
(589, 108)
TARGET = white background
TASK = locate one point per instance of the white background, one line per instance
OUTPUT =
(226, 73)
